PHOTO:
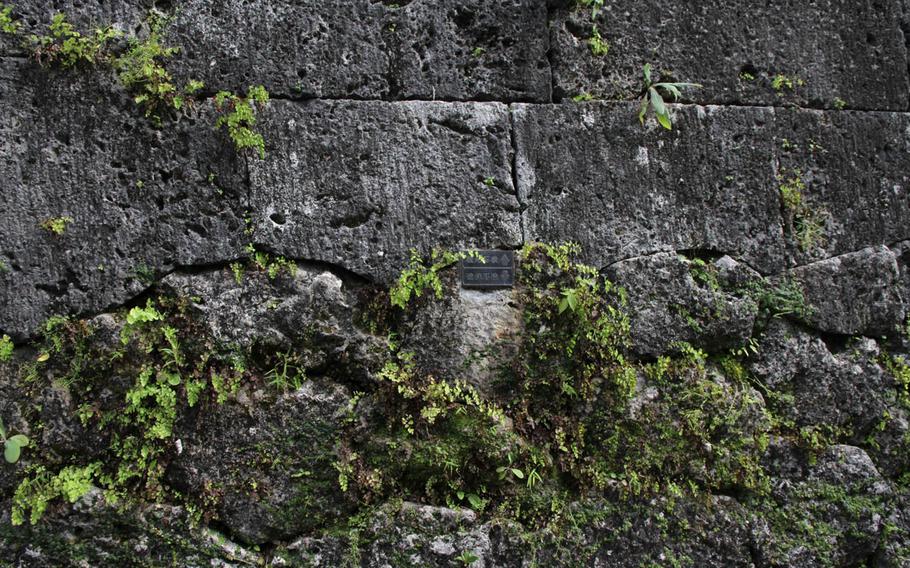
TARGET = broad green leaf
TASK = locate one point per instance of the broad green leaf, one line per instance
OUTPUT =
(671, 88)
(572, 299)
(664, 121)
(11, 451)
(563, 305)
(647, 71)
(43, 357)
(475, 500)
(518, 473)
(657, 102)
(20, 439)
(643, 110)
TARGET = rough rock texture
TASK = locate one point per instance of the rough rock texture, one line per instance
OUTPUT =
(360, 184)
(711, 184)
(833, 516)
(423, 49)
(139, 198)
(420, 535)
(854, 51)
(34, 17)
(423, 124)
(672, 300)
(273, 470)
(93, 533)
(844, 389)
(311, 311)
(853, 294)
(464, 335)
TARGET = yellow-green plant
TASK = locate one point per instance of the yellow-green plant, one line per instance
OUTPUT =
(56, 225)
(238, 116)
(418, 277)
(6, 348)
(7, 24)
(141, 71)
(68, 47)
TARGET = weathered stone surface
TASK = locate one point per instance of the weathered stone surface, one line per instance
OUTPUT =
(451, 50)
(272, 471)
(472, 50)
(94, 533)
(856, 293)
(848, 390)
(140, 199)
(358, 184)
(627, 536)
(671, 299)
(894, 551)
(465, 335)
(310, 312)
(839, 48)
(592, 174)
(832, 517)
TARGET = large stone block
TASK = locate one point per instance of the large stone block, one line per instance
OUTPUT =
(672, 299)
(855, 293)
(591, 173)
(358, 184)
(838, 49)
(141, 199)
(847, 390)
(451, 50)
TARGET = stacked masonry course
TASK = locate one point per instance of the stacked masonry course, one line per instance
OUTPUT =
(386, 123)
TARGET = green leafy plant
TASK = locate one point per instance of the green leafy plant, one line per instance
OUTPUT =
(7, 24)
(808, 223)
(68, 47)
(6, 348)
(598, 45)
(651, 97)
(287, 373)
(35, 492)
(584, 98)
(239, 117)
(12, 445)
(780, 82)
(262, 261)
(414, 280)
(467, 557)
(56, 225)
(786, 298)
(142, 72)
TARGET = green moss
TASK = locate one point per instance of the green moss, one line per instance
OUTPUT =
(816, 518)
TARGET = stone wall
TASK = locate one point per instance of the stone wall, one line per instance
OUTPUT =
(462, 124)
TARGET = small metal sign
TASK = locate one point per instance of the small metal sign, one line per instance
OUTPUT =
(498, 270)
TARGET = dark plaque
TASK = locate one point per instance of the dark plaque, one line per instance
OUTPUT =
(498, 270)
